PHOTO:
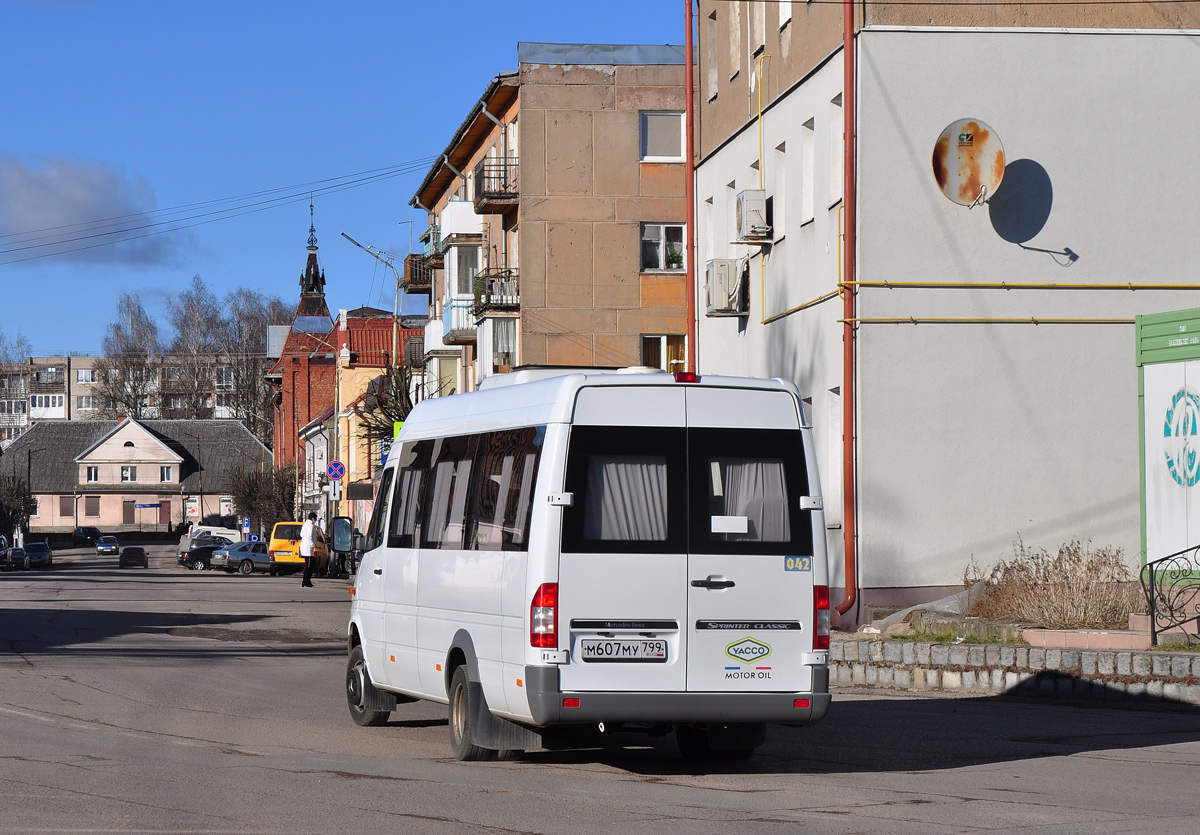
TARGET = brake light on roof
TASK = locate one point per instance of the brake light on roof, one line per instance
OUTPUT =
(823, 617)
(687, 377)
(543, 617)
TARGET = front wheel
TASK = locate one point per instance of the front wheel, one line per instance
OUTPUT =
(246, 567)
(460, 719)
(196, 565)
(357, 682)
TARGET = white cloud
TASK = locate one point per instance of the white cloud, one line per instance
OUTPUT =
(82, 211)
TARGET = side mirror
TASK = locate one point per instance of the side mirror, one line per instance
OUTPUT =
(341, 534)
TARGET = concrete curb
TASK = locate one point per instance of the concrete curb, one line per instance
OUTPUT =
(1004, 668)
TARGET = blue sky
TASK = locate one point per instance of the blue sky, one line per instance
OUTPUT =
(116, 109)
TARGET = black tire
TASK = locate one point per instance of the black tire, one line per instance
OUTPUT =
(693, 743)
(196, 565)
(460, 719)
(357, 680)
(246, 567)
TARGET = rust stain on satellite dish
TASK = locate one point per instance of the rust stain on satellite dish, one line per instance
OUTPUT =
(968, 161)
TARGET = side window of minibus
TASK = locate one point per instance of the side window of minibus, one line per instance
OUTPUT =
(412, 466)
(444, 512)
(502, 498)
(379, 515)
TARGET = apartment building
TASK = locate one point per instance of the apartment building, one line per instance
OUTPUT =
(556, 219)
(994, 392)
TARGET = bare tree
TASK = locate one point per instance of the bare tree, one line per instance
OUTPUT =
(389, 400)
(16, 504)
(127, 374)
(187, 373)
(242, 345)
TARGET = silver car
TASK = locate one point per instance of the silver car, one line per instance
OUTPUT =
(244, 557)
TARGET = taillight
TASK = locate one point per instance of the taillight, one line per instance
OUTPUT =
(543, 617)
(822, 616)
(687, 377)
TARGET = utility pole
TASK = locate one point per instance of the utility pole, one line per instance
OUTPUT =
(370, 250)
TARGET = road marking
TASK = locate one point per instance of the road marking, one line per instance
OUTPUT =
(26, 715)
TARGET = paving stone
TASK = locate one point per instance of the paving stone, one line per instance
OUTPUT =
(1087, 663)
(872, 674)
(939, 655)
(998, 679)
(1136, 688)
(975, 656)
(859, 674)
(918, 678)
(1160, 664)
(1054, 659)
(1008, 656)
(1124, 663)
(1099, 690)
(886, 676)
(923, 653)
(969, 680)
(1029, 681)
(864, 651)
(1172, 691)
(1083, 688)
(1196, 666)
(1065, 687)
(1190, 693)
(991, 655)
(875, 651)
(951, 680)
(893, 652)
(1154, 688)
(903, 677)
(1021, 658)
(1037, 659)
(958, 656)
(1116, 689)
(1011, 681)
(1070, 660)
(836, 649)
(1181, 666)
(908, 653)
(1143, 664)
(1106, 662)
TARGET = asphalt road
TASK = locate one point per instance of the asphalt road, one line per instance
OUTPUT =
(164, 700)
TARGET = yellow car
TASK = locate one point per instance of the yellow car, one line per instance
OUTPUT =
(284, 549)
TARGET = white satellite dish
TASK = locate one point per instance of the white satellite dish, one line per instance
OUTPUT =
(968, 162)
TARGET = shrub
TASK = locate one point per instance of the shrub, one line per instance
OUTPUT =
(1079, 587)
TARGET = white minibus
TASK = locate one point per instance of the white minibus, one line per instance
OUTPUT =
(594, 551)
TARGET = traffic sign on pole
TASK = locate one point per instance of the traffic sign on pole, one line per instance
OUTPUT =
(336, 470)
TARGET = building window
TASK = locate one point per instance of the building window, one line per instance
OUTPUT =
(93, 474)
(91, 506)
(662, 136)
(85, 375)
(662, 246)
(468, 266)
(664, 351)
(48, 375)
(504, 345)
(86, 402)
(12, 407)
(66, 506)
(170, 373)
(164, 473)
(225, 400)
(45, 401)
(37, 507)
(224, 378)
(128, 473)
(174, 401)
(711, 77)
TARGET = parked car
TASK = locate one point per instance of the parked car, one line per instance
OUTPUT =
(133, 555)
(15, 558)
(244, 557)
(3, 548)
(85, 536)
(200, 532)
(107, 546)
(38, 554)
(199, 557)
(284, 549)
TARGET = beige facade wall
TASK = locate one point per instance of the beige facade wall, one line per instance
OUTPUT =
(584, 196)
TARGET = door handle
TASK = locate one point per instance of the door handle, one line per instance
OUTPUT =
(378, 570)
(713, 581)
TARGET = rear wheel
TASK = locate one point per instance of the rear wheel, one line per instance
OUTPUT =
(246, 567)
(460, 719)
(196, 565)
(357, 682)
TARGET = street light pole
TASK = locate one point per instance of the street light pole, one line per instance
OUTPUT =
(396, 311)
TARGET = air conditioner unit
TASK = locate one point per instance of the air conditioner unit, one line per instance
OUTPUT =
(752, 215)
(723, 288)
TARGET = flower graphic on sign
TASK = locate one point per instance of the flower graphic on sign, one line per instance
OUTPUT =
(1181, 434)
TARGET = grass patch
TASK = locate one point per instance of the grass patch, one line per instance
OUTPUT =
(1176, 646)
(945, 638)
(1080, 587)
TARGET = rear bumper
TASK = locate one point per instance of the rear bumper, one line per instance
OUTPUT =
(546, 704)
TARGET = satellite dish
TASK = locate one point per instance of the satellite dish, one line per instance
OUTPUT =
(968, 162)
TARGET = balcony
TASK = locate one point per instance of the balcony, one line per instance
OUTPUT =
(496, 185)
(458, 321)
(496, 290)
(433, 247)
(414, 351)
(418, 275)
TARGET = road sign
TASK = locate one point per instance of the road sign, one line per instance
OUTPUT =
(253, 537)
(336, 470)
(149, 504)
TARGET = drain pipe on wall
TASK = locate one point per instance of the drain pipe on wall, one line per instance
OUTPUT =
(690, 188)
(849, 288)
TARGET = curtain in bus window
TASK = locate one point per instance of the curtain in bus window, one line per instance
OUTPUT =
(506, 468)
(404, 509)
(754, 489)
(626, 498)
(379, 516)
(448, 490)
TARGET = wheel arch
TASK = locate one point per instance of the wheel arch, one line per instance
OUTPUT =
(461, 651)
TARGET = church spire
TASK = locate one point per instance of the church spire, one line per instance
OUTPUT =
(312, 227)
(312, 280)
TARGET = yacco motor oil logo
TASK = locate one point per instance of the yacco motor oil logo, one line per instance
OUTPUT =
(750, 652)
(1181, 435)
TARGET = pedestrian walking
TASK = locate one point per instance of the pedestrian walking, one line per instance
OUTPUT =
(310, 534)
